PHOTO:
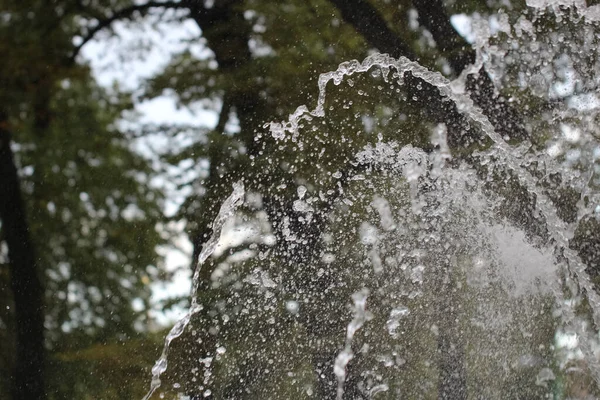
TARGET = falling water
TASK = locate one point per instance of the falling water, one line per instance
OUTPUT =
(417, 233)
(227, 210)
(343, 358)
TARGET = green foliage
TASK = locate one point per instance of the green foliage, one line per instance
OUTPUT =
(93, 215)
(112, 370)
(92, 211)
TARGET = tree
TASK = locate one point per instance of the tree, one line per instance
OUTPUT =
(76, 209)
(25, 283)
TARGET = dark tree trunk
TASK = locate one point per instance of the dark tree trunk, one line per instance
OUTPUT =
(26, 285)
(232, 53)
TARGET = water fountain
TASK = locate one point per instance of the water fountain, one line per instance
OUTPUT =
(392, 258)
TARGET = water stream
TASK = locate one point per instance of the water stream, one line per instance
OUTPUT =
(226, 212)
(387, 264)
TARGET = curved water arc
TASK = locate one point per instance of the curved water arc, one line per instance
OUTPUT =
(557, 229)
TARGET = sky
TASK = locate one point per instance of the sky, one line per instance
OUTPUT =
(127, 59)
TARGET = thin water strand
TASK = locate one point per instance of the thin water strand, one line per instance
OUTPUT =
(227, 210)
(361, 315)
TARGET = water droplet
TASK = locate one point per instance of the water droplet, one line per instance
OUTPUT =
(301, 192)
(416, 275)
(544, 376)
(292, 307)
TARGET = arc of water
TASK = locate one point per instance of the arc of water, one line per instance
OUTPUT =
(465, 105)
(226, 211)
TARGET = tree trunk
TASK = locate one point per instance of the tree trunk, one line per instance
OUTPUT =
(28, 378)
(232, 53)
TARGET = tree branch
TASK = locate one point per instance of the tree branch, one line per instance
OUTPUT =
(224, 114)
(460, 55)
(125, 13)
(433, 17)
(370, 24)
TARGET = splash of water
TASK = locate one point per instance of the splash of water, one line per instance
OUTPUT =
(414, 164)
(227, 210)
(591, 13)
(560, 232)
(466, 105)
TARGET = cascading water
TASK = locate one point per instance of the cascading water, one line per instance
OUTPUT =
(464, 270)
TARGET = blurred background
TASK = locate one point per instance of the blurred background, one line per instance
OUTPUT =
(123, 125)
